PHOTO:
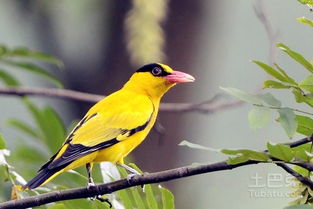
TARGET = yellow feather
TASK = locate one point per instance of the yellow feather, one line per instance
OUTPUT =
(113, 114)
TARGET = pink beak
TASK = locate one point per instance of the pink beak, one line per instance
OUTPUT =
(179, 77)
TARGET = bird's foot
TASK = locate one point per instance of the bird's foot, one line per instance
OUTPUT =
(129, 169)
(90, 185)
(132, 175)
(101, 199)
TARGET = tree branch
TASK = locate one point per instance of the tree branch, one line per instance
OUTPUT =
(302, 179)
(120, 184)
(203, 107)
(57, 93)
(146, 178)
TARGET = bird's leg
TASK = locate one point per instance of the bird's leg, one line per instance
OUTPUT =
(129, 169)
(89, 173)
(132, 172)
(91, 185)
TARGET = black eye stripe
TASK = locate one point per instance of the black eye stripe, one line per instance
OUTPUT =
(152, 67)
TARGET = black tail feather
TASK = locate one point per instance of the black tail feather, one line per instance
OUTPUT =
(39, 179)
(43, 174)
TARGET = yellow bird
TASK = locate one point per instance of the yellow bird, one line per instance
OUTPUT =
(114, 126)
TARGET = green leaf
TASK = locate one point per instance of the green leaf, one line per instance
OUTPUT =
(300, 97)
(300, 170)
(167, 198)
(275, 85)
(24, 127)
(35, 112)
(271, 71)
(287, 119)
(2, 142)
(40, 122)
(3, 50)
(298, 94)
(100, 205)
(299, 207)
(302, 152)
(250, 98)
(307, 83)
(237, 160)
(137, 197)
(296, 56)
(305, 125)
(259, 117)
(53, 128)
(269, 99)
(8, 79)
(49, 123)
(152, 203)
(24, 52)
(310, 2)
(78, 204)
(125, 195)
(281, 151)
(35, 69)
(57, 206)
(305, 21)
(283, 72)
(125, 198)
(150, 197)
(29, 154)
(250, 154)
(194, 146)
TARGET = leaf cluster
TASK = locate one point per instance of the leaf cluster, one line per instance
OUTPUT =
(292, 120)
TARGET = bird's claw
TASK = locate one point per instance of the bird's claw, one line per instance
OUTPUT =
(101, 199)
(90, 185)
(132, 175)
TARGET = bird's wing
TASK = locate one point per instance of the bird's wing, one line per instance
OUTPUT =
(106, 124)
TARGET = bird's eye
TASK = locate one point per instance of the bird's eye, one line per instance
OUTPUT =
(156, 71)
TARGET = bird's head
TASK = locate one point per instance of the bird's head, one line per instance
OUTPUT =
(156, 79)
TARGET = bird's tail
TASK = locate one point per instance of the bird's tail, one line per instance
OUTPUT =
(42, 177)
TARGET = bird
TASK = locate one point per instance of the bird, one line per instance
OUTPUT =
(114, 126)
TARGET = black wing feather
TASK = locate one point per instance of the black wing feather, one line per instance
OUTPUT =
(75, 151)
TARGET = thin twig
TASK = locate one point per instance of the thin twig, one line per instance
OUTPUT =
(272, 34)
(203, 107)
(279, 108)
(146, 178)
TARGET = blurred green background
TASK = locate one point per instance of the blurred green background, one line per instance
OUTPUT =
(212, 40)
